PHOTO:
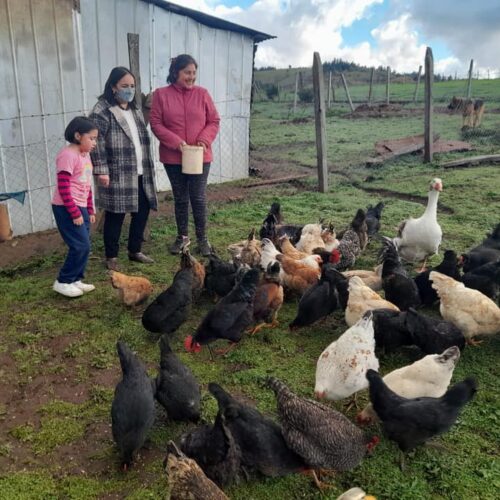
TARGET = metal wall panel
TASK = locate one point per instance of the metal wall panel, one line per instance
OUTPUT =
(54, 62)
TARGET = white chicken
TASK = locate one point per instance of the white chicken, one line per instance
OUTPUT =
(469, 310)
(341, 368)
(361, 299)
(310, 238)
(419, 238)
(329, 236)
(268, 253)
(427, 377)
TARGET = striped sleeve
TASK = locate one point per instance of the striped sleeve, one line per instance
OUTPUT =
(63, 186)
(90, 204)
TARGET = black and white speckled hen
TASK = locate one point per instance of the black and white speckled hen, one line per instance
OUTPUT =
(399, 288)
(353, 241)
(176, 388)
(322, 436)
(448, 266)
(412, 422)
(172, 307)
(133, 407)
(321, 299)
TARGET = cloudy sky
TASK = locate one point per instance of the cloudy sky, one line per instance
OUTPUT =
(370, 32)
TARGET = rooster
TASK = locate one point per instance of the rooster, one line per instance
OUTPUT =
(230, 316)
(323, 437)
(419, 238)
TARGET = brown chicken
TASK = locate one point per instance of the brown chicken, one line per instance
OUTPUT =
(297, 275)
(187, 262)
(186, 479)
(372, 279)
(132, 290)
(289, 250)
(268, 299)
(251, 251)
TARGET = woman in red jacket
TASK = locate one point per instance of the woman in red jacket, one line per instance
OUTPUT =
(183, 113)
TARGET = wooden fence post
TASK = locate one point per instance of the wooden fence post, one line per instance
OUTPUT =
(387, 85)
(329, 93)
(418, 83)
(295, 95)
(133, 56)
(344, 83)
(371, 87)
(429, 77)
(469, 83)
(320, 120)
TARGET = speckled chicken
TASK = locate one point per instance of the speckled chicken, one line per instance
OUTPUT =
(341, 367)
(353, 241)
(321, 299)
(133, 407)
(322, 436)
(186, 479)
(198, 269)
(361, 299)
(470, 310)
(176, 388)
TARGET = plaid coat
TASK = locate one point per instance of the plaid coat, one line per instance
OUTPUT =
(114, 155)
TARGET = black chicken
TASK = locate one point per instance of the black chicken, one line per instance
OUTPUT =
(323, 437)
(399, 288)
(487, 251)
(133, 407)
(373, 215)
(485, 278)
(321, 299)
(215, 450)
(260, 440)
(172, 307)
(230, 316)
(220, 276)
(411, 422)
(176, 388)
(273, 227)
(431, 335)
(448, 266)
(390, 329)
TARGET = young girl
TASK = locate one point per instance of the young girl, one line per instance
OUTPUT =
(72, 204)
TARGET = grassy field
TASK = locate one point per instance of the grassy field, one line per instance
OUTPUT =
(59, 364)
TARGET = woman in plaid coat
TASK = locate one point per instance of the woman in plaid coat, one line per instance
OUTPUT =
(123, 166)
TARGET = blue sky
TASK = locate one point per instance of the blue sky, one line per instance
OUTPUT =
(370, 32)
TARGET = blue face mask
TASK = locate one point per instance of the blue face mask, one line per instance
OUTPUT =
(126, 94)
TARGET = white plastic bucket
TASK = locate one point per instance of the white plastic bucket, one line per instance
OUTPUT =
(192, 160)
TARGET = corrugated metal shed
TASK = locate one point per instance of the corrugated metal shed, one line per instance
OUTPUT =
(55, 56)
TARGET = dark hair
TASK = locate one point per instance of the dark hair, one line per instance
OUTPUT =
(178, 63)
(114, 77)
(79, 124)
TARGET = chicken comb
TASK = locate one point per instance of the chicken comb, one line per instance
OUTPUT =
(188, 343)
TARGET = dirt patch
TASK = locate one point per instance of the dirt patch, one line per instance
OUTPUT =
(383, 111)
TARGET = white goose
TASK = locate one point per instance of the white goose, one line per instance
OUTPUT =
(419, 238)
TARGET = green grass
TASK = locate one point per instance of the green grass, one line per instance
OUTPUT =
(46, 337)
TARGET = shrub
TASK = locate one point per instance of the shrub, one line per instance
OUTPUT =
(271, 91)
(306, 95)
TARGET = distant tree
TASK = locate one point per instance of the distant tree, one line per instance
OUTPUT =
(271, 91)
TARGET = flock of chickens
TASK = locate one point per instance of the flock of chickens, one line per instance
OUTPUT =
(413, 403)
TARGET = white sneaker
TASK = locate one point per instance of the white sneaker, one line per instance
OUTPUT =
(84, 287)
(66, 289)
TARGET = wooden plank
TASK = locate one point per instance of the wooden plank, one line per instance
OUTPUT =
(471, 160)
(388, 85)
(404, 145)
(320, 120)
(429, 78)
(296, 92)
(469, 83)
(133, 55)
(279, 180)
(371, 87)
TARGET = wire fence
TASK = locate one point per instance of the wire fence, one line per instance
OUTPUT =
(29, 169)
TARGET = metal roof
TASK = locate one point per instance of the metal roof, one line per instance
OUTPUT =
(211, 21)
